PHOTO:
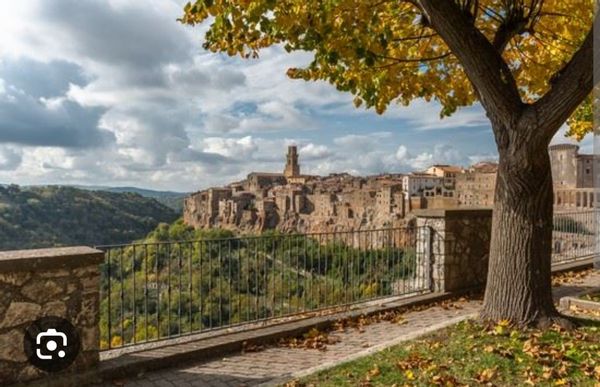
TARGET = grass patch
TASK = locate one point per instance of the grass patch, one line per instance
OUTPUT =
(471, 354)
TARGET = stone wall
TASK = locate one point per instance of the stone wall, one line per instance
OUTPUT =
(597, 249)
(62, 282)
(453, 247)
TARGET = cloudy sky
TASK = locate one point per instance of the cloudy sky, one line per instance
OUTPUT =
(116, 92)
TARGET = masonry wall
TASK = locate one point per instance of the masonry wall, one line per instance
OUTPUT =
(61, 282)
(457, 242)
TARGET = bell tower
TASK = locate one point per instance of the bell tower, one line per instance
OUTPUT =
(292, 168)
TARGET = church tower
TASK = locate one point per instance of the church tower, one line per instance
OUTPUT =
(292, 168)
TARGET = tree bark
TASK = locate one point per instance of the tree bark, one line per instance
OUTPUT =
(519, 277)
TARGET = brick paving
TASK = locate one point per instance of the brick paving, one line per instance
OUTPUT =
(275, 363)
(254, 368)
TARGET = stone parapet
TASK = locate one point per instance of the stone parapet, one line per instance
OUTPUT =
(453, 247)
(61, 282)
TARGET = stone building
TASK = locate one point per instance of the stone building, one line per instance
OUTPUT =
(292, 168)
(570, 169)
(432, 189)
(290, 201)
(260, 180)
(448, 172)
(573, 175)
(476, 186)
(414, 184)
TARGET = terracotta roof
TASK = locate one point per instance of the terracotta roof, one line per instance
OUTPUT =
(485, 167)
(448, 168)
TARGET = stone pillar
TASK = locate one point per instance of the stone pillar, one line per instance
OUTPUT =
(453, 245)
(61, 282)
(597, 232)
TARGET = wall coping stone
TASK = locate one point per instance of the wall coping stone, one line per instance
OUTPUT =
(453, 212)
(51, 258)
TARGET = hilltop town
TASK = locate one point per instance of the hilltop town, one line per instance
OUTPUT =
(292, 201)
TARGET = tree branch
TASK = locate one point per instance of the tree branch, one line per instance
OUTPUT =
(570, 86)
(483, 64)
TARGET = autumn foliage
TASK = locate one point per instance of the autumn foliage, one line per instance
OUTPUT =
(386, 51)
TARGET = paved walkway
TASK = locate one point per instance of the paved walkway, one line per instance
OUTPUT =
(276, 362)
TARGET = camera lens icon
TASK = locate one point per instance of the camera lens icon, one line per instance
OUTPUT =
(50, 336)
(51, 343)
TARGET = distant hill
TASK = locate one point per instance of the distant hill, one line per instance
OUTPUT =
(168, 198)
(32, 217)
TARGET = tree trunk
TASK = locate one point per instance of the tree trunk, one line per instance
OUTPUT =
(519, 279)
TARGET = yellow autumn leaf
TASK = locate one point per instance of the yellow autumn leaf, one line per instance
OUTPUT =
(375, 371)
(383, 52)
(487, 375)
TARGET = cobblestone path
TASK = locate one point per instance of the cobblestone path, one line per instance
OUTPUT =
(273, 363)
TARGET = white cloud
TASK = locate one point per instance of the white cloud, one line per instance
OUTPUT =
(311, 151)
(125, 81)
(402, 153)
(10, 157)
(441, 154)
(241, 148)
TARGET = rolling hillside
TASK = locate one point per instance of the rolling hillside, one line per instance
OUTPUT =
(168, 198)
(36, 217)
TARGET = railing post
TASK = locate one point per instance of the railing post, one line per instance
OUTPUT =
(424, 259)
(428, 244)
(62, 283)
(596, 228)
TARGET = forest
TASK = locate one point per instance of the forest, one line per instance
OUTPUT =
(160, 288)
(49, 216)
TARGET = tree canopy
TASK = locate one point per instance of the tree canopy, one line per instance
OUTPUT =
(385, 51)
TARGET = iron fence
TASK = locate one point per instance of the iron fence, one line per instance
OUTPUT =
(575, 235)
(152, 291)
(158, 290)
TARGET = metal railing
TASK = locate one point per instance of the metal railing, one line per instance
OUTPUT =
(152, 291)
(575, 235)
(158, 290)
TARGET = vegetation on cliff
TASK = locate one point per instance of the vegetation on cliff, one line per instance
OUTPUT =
(36, 217)
(154, 289)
